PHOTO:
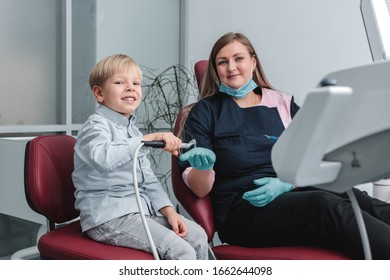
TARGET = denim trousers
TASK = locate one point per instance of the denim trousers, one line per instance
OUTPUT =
(312, 217)
(128, 231)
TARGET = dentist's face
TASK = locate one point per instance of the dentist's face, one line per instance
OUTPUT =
(121, 93)
(235, 65)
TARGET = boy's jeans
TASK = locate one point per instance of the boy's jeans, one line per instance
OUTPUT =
(128, 231)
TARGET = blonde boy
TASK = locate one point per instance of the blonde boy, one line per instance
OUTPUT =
(103, 171)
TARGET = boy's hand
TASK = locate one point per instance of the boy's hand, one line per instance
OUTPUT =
(172, 143)
(175, 220)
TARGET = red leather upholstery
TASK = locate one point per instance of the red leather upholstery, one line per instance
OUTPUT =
(67, 243)
(49, 186)
(230, 252)
(200, 209)
(49, 191)
(200, 68)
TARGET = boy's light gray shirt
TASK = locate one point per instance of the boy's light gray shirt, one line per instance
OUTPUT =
(103, 164)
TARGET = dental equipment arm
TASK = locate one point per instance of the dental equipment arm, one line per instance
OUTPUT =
(297, 156)
(340, 137)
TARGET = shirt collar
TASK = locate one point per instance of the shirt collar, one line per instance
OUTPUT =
(115, 117)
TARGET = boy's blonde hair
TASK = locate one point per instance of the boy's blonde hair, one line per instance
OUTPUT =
(109, 66)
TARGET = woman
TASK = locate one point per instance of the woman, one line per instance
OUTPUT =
(235, 124)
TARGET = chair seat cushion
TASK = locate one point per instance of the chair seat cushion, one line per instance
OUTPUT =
(230, 252)
(67, 243)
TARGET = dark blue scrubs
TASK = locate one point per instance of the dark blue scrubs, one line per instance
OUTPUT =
(237, 136)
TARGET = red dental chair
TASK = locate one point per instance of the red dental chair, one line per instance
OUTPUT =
(49, 191)
(201, 211)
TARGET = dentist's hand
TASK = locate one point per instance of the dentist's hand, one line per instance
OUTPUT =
(269, 189)
(199, 158)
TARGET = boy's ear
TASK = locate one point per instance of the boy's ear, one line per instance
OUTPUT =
(97, 92)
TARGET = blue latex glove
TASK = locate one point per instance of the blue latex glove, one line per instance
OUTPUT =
(199, 158)
(269, 189)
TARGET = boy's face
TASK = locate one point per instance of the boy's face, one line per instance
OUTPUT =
(121, 93)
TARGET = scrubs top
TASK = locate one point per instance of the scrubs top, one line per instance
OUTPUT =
(237, 137)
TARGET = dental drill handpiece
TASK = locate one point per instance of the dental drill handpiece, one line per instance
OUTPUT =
(161, 144)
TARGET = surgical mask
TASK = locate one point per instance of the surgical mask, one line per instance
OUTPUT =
(240, 92)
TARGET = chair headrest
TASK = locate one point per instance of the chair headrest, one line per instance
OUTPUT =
(48, 167)
(200, 68)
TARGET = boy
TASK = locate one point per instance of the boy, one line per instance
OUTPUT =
(103, 174)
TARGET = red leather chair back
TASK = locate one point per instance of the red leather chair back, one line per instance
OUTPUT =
(200, 68)
(48, 180)
(49, 191)
(198, 208)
